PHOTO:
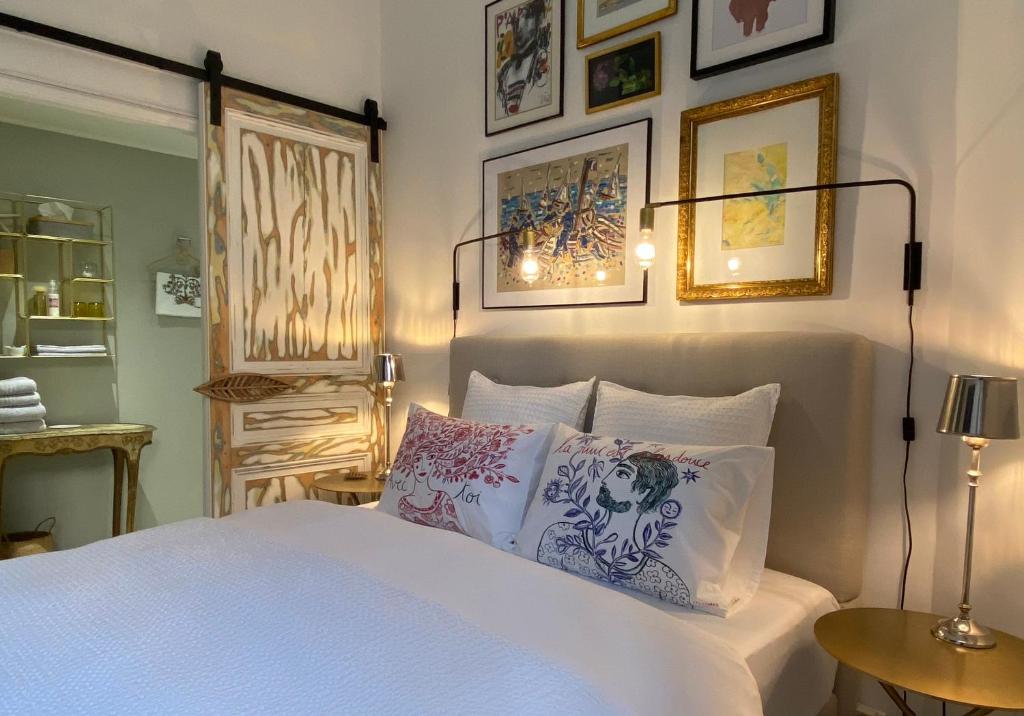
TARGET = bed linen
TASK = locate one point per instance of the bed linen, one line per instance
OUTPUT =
(227, 616)
(774, 633)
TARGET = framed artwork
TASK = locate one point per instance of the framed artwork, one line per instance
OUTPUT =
(625, 73)
(582, 196)
(730, 34)
(597, 20)
(524, 57)
(755, 247)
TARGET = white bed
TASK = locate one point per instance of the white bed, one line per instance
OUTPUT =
(311, 607)
(774, 634)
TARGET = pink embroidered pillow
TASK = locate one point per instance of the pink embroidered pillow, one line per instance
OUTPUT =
(466, 477)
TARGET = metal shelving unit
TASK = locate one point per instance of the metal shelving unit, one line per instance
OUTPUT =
(32, 259)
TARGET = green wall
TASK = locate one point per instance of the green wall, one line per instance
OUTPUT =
(159, 359)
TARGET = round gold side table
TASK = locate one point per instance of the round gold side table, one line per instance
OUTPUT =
(350, 486)
(897, 648)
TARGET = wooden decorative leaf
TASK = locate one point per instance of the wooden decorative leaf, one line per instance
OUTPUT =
(242, 387)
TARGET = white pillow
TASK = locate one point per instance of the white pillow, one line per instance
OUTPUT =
(490, 402)
(661, 519)
(744, 419)
(466, 477)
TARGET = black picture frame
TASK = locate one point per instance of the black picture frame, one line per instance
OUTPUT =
(559, 6)
(826, 37)
(642, 300)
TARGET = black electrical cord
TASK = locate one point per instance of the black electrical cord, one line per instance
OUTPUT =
(906, 462)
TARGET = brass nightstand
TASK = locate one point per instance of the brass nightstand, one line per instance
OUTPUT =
(897, 648)
(350, 486)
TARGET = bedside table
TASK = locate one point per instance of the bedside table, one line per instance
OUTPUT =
(350, 486)
(897, 648)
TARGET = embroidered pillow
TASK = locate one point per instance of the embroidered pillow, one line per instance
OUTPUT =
(744, 419)
(490, 402)
(466, 477)
(661, 519)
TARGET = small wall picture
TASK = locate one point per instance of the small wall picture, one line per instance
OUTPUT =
(730, 34)
(625, 73)
(598, 20)
(524, 56)
(178, 295)
(763, 246)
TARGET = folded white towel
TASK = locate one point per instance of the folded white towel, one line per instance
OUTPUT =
(93, 348)
(29, 426)
(17, 386)
(19, 401)
(70, 355)
(19, 415)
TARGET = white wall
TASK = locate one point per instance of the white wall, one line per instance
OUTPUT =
(986, 329)
(903, 111)
(324, 49)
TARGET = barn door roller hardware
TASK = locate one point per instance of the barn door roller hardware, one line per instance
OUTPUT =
(211, 72)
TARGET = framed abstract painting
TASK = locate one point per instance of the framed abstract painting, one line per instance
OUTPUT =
(729, 34)
(582, 197)
(598, 20)
(767, 246)
(524, 57)
(622, 74)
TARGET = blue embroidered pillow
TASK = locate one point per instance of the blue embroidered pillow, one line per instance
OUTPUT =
(660, 519)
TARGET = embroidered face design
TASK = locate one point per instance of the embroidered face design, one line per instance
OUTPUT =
(617, 488)
(421, 470)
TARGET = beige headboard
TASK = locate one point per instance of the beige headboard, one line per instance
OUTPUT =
(822, 429)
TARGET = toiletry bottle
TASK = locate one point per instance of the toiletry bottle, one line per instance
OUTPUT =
(53, 299)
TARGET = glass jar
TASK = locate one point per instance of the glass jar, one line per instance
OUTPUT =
(37, 306)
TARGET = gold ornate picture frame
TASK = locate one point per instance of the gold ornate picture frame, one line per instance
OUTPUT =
(626, 73)
(599, 20)
(773, 246)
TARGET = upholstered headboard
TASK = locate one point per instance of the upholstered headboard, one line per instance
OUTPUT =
(822, 429)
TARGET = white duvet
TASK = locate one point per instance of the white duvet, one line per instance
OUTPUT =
(306, 607)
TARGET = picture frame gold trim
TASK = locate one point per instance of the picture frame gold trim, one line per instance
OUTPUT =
(826, 88)
(656, 36)
(584, 41)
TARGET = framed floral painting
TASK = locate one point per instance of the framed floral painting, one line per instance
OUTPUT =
(765, 246)
(524, 62)
(623, 74)
(727, 35)
(598, 20)
(582, 198)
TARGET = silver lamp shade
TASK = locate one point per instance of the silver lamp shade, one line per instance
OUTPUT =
(980, 406)
(388, 369)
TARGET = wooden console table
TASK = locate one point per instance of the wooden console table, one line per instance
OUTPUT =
(124, 440)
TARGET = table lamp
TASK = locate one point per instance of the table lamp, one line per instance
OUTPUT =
(979, 408)
(388, 370)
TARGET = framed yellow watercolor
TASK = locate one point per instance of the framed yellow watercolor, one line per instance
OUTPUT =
(623, 74)
(599, 20)
(767, 246)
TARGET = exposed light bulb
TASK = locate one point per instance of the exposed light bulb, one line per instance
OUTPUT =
(529, 269)
(601, 275)
(734, 265)
(645, 252)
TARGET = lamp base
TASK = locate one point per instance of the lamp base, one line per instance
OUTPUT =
(964, 631)
(383, 474)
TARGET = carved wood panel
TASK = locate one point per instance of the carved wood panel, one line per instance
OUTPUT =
(295, 292)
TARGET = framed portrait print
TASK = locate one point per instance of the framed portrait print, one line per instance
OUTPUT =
(729, 34)
(779, 245)
(598, 20)
(625, 73)
(524, 57)
(582, 198)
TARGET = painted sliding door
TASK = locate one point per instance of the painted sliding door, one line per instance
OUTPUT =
(296, 301)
